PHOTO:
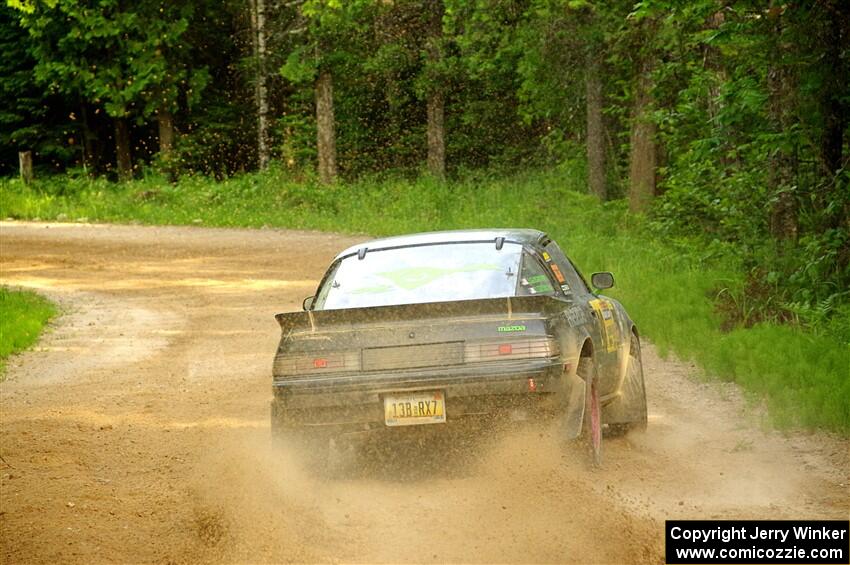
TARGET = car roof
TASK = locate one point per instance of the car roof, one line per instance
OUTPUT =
(518, 235)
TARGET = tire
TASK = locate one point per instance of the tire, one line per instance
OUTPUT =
(633, 392)
(591, 429)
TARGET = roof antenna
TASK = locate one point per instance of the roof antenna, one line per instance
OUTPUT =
(361, 253)
(500, 241)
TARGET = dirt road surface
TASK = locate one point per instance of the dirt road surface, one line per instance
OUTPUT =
(137, 431)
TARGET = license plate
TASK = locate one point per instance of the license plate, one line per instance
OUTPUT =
(415, 408)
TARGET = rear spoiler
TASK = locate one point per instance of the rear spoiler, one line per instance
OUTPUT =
(510, 307)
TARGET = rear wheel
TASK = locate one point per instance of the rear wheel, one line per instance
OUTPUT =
(632, 394)
(591, 429)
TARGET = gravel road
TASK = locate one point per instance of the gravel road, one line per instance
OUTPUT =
(137, 431)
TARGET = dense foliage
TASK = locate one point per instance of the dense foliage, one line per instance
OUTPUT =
(726, 121)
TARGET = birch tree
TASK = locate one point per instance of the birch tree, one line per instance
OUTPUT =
(436, 101)
(259, 43)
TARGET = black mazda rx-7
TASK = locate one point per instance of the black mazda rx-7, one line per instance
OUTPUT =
(429, 329)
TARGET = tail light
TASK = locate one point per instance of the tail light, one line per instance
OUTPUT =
(316, 363)
(529, 348)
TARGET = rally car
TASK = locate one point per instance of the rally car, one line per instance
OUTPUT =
(431, 329)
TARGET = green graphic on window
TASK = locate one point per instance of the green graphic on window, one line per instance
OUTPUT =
(377, 289)
(415, 277)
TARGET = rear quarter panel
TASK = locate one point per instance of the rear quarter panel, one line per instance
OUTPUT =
(625, 327)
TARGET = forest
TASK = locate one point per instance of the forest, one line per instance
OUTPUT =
(722, 126)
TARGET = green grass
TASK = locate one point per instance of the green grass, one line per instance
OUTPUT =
(22, 318)
(666, 286)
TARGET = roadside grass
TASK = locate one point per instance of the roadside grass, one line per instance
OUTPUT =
(667, 287)
(23, 315)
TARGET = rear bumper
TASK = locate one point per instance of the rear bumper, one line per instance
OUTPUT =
(355, 402)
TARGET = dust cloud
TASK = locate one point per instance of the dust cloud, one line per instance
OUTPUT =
(482, 496)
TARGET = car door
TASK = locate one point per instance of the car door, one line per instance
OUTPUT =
(605, 331)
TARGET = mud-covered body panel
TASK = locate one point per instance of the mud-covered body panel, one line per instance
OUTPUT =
(344, 401)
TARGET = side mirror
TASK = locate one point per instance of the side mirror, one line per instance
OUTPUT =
(602, 280)
(308, 303)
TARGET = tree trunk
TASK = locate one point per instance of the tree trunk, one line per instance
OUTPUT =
(643, 155)
(783, 215)
(326, 137)
(25, 160)
(436, 135)
(122, 149)
(717, 77)
(89, 162)
(258, 36)
(713, 62)
(836, 39)
(436, 103)
(595, 127)
(782, 164)
(835, 117)
(165, 121)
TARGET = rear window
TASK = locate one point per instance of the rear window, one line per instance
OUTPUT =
(431, 273)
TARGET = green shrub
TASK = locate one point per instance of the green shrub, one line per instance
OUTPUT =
(22, 317)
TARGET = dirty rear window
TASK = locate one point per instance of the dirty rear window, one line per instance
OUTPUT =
(430, 273)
